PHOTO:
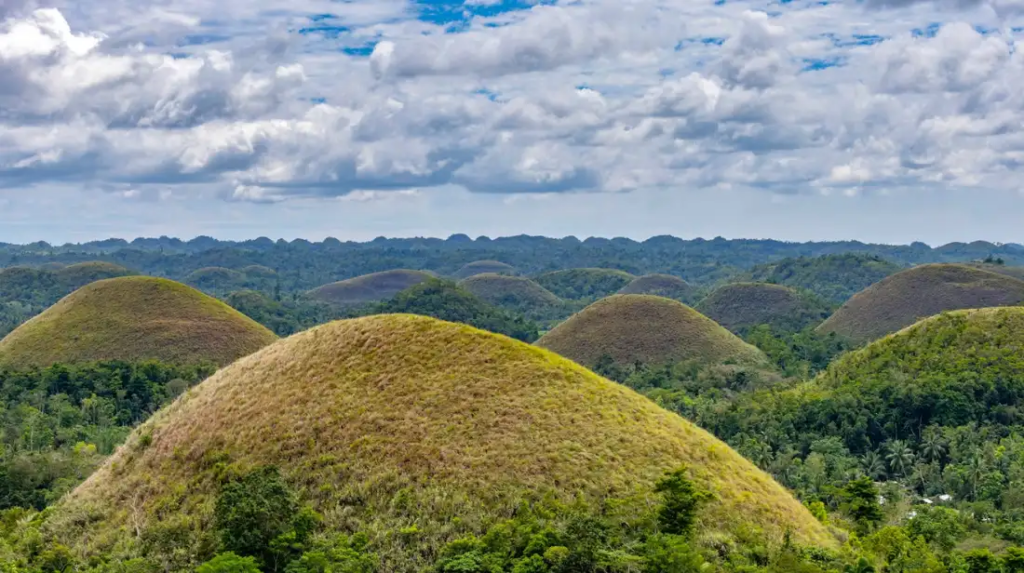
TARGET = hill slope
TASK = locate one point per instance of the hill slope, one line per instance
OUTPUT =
(482, 267)
(908, 296)
(509, 292)
(133, 318)
(574, 284)
(452, 421)
(740, 306)
(834, 278)
(667, 286)
(648, 329)
(369, 288)
(78, 275)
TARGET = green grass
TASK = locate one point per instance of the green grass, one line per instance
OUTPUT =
(133, 318)
(908, 296)
(369, 288)
(510, 292)
(400, 423)
(667, 286)
(649, 329)
(740, 306)
(575, 284)
(80, 274)
(834, 278)
(482, 267)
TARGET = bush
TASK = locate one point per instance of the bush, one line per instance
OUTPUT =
(229, 563)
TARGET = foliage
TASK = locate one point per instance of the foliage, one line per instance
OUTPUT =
(229, 563)
(834, 278)
(860, 503)
(743, 306)
(283, 317)
(681, 500)
(584, 284)
(667, 286)
(797, 354)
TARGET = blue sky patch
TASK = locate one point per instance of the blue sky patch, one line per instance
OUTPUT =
(854, 40)
(818, 64)
(200, 39)
(927, 32)
(493, 96)
(456, 14)
(325, 30)
(362, 51)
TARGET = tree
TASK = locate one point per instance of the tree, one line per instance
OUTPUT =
(681, 500)
(229, 563)
(899, 456)
(933, 447)
(254, 511)
(1013, 560)
(860, 503)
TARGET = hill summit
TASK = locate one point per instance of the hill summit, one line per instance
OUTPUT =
(134, 318)
(740, 306)
(482, 267)
(648, 329)
(667, 286)
(392, 420)
(908, 296)
(509, 291)
(373, 287)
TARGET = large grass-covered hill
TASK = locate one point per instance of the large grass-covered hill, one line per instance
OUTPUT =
(575, 284)
(413, 431)
(668, 286)
(908, 296)
(369, 288)
(740, 306)
(483, 267)
(647, 329)
(134, 318)
(832, 277)
(509, 291)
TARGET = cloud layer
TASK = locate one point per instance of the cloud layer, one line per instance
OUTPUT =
(266, 101)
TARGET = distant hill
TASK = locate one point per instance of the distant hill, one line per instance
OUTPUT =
(216, 279)
(509, 292)
(369, 288)
(394, 417)
(80, 274)
(483, 267)
(134, 318)
(908, 296)
(833, 277)
(45, 286)
(575, 284)
(740, 306)
(667, 286)
(1008, 270)
(647, 329)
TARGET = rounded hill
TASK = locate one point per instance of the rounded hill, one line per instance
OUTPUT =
(369, 288)
(740, 306)
(80, 274)
(575, 284)
(392, 420)
(908, 296)
(834, 278)
(509, 291)
(667, 286)
(215, 278)
(134, 318)
(482, 267)
(647, 329)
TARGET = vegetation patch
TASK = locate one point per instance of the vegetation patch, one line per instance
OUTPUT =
(911, 295)
(134, 318)
(650, 330)
(577, 284)
(510, 292)
(216, 279)
(741, 306)
(484, 267)
(834, 278)
(415, 432)
(369, 288)
(667, 286)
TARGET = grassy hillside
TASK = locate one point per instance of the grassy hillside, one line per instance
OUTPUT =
(509, 292)
(833, 277)
(647, 329)
(78, 275)
(369, 288)
(667, 286)
(1016, 272)
(741, 306)
(575, 284)
(387, 422)
(133, 318)
(908, 296)
(482, 267)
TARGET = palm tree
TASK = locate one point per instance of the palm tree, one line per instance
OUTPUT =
(872, 465)
(975, 472)
(933, 447)
(899, 456)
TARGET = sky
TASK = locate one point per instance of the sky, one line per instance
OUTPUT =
(879, 120)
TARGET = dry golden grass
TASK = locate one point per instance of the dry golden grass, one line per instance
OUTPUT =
(504, 290)
(908, 296)
(648, 329)
(396, 420)
(739, 306)
(132, 318)
(369, 288)
(667, 286)
(482, 267)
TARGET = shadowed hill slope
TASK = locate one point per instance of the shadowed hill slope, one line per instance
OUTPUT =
(482, 267)
(575, 284)
(648, 329)
(740, 306)
(508, 291)
(834, 278)
(453, 421)
(369, 288)
(908, 296)
(134, 318)
(667, 286)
